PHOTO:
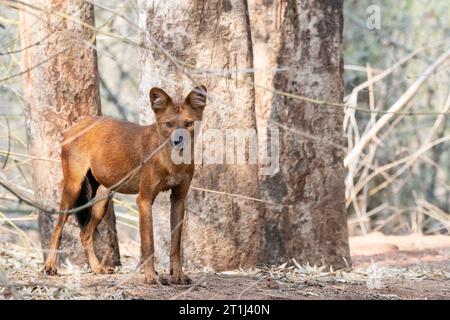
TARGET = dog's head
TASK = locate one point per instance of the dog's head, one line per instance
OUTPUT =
(175, 119)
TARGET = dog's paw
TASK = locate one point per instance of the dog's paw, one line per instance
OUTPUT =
(106, 270)
(50, 270)
(180, 278)
(160, 280)
(102, 270)
(153, 279)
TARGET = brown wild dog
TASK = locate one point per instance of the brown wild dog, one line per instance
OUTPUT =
(100, 153)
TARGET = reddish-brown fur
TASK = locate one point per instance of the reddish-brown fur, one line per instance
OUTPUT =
(110, 150)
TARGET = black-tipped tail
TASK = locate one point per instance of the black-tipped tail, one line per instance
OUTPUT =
(87, 192)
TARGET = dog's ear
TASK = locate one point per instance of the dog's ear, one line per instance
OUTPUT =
(197, 97)
(159, 99)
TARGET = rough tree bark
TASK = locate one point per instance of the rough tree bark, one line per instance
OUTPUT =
(311, 225)
(60, 86)
(221, 231)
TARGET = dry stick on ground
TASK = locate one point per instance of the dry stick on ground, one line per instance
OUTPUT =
(398, 105)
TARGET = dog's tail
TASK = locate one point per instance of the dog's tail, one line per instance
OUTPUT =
(87, 192)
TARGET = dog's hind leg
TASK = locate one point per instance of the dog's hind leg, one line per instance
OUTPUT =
(98, 212)
(74, 175)
(69, 196)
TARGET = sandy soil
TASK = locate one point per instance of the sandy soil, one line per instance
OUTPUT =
(384, 267)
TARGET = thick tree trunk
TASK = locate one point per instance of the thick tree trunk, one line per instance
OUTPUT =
(221, 231)
(60, 86)
(310, 226)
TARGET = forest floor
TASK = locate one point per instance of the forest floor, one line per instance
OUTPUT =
(384, 267)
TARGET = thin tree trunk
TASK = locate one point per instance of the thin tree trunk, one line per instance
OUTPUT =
(60, 86)
(310, 226)
(221, 231)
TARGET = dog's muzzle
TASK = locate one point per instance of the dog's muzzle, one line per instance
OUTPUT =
(178, 141)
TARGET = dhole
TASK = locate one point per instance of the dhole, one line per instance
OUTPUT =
(99, 153)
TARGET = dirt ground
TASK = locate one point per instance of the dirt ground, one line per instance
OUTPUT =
(384, 267)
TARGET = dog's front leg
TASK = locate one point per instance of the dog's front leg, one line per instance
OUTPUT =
(177, 198)
(145, 202)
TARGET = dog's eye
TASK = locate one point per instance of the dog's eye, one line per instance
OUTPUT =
(189, 124)
(169, 124)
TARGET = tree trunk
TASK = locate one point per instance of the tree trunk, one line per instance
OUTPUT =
(60, 86)
(310, 226)
(221, 231)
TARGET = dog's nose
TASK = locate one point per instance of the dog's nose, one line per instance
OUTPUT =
(178, 141)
